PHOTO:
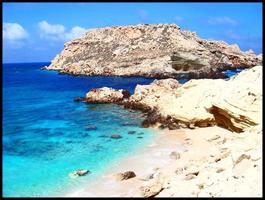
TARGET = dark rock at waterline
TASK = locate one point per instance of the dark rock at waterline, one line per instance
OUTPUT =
(140, 137)
(129, 123)
(173, 126)
(162, 126)
(152, 118)
(131, 132)
(115, 136)
(79, 99)
(136, 106)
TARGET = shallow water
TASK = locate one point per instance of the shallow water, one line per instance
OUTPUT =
(46, 135)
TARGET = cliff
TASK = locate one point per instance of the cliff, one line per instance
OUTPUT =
(159, 50)
(234, 104)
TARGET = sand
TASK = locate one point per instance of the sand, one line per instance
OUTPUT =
(211, 162)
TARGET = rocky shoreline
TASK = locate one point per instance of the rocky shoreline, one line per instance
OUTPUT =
(233, 104)
(203, 162)
(219, 122)
(150, 50)
(209, 141)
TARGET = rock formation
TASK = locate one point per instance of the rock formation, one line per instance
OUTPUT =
(159, 50)
(233, 104)
(104, 95)
(80, 172)
(125, 176)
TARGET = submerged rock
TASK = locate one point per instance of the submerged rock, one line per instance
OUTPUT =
(91, 127)
(78, 99)
(153, 50)
(115, 136)
(79, 172)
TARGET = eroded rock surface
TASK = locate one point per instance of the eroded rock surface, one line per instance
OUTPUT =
(104, 95)
(234, 104)
(158, 50)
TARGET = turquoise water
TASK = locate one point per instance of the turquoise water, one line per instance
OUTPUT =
(46, 135)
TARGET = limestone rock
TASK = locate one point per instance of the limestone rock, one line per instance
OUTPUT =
(126, 175)
(150, 50)
(151, 190)
(106, 95)
(234, 104)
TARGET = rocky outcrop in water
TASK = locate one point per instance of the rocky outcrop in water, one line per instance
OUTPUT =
(80, 172)
(104, 95)
(158, 50)
(234, 104)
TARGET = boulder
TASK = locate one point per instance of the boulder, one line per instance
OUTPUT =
(106, 95)
(125, 175)
(79, 172)
(151, 190)
(174, 155)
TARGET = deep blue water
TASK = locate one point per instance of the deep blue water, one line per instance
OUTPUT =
(46, 134)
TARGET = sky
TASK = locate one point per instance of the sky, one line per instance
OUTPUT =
(36, 32)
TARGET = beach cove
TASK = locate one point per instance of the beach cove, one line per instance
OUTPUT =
(166, 175)
(48, 135)
(216, 151)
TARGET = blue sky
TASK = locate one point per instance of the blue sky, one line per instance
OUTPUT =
(35, 32)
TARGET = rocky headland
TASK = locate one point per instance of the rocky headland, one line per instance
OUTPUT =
(210, 141)
(234, 104)
(150, 50)
(210, 144)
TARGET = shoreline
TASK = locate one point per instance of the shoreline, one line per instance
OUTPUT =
(168, 142)
(199, 151)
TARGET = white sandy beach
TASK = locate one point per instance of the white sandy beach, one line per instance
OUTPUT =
(211, 153)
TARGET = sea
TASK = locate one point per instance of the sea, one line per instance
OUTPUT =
(46, 135)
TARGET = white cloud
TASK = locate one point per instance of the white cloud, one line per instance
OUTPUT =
(14, 32)
(52, 29)
(222, 21)
(57, 31)
(75, 32)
